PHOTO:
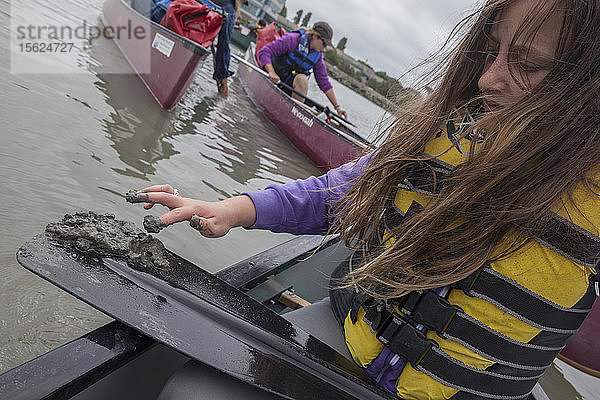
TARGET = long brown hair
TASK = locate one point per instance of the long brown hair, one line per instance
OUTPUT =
(533, 153)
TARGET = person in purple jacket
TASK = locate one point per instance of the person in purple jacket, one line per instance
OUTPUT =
(292, 58)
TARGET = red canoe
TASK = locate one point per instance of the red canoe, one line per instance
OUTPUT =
(583, 348)
(325, 145)
(165, 61)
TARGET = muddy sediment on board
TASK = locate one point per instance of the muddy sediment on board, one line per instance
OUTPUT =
(105, 235)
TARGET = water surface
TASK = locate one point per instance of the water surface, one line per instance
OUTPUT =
(79, 141)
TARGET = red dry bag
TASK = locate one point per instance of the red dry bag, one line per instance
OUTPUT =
(193, 20)
(266, 35)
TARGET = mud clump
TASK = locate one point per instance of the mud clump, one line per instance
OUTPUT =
(196, 223)
(135, 196)
(106, 236)
(153, 224)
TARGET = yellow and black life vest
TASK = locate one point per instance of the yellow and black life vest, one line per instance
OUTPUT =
(493, 334)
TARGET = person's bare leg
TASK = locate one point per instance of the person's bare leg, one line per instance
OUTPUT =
(223, 89)
(300, 85)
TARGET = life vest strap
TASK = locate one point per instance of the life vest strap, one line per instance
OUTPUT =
(522, 303)
(404, 339)
(571, 241)
(561, 235)
(302, 57)
(420, 177)
(451, 322)
(429, 309)
(393, 217)
(485, 383)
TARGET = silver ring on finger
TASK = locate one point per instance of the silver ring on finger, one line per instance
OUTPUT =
(176, 192)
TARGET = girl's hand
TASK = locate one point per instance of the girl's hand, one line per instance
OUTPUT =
(214, 219)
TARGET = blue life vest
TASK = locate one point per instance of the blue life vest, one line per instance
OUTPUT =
(159, 9)
(301, 61)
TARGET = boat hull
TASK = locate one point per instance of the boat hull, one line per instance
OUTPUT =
(165, 61)
(325, 147)
(582, 349)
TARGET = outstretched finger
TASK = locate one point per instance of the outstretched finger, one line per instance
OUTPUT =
(201, 225)
(135, 196)
(159, 188)
(166, 199)
(173, 217)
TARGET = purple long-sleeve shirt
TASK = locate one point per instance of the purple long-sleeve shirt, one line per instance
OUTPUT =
(285, 45)
(304, 206)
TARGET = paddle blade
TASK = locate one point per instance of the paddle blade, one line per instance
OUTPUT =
(195, 313)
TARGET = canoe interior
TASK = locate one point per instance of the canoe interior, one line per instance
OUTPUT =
(241, 40)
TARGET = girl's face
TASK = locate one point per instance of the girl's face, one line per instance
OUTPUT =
(530, 64)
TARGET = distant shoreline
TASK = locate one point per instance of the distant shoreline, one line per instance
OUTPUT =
(360, 88)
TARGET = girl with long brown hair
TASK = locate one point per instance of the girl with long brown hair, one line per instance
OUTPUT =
(476, 223)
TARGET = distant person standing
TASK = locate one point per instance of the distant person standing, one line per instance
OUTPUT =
(223, 55)
(256, 27)
(293, 57)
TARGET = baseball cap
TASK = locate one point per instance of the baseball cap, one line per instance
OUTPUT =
(325, 31)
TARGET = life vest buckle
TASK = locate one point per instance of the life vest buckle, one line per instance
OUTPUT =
(358, 301)
(375, 314)
(405, 340)
(435, 312)
(410, 302)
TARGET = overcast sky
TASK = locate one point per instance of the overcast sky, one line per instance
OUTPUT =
(391, 35)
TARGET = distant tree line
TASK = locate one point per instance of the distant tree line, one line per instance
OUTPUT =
(332, 58)
(341, 44)
(298, 16)
(387, 85)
